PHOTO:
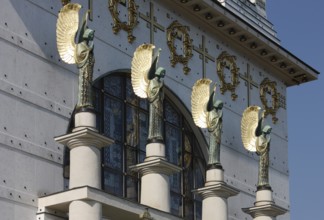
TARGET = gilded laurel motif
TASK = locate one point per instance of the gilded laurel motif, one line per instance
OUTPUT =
(268, 86)
(174, 30)
(225, 60)
(132, 18)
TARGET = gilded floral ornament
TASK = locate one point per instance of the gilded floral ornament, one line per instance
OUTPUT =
(120, 25)
(173, 31)
(269, 87)
(227, 61)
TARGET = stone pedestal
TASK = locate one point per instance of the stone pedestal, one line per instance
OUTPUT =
(155, 172)
(215, 194)
(264, 208)
(85, 160)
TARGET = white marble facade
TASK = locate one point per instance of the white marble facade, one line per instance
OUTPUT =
(38, 94)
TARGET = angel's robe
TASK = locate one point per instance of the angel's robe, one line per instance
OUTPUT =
(85, 62)
(155, 98)
(263, 147)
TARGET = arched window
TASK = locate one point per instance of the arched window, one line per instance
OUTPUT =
(122, 116)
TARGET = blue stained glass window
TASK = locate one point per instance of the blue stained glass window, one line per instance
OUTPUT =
(198, 210)
(143, 127)
(175, 182)
(176, 204)
(113, 156)
(113, 120)
(132, 188)
(130, 95)
(173, 144)
(171, 115)
(113, 183)
(131, 126)
(113, 86)
(144, 104)
(131, 155)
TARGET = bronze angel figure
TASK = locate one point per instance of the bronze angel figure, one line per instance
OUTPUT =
(207, 113)
(80, 53)
(256, 138)
(147, 82)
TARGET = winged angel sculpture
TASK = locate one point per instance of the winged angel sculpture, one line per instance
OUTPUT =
(256, 138)
(80, 53)
(147, 83)
(207, 113)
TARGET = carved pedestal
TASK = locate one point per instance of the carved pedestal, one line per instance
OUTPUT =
(264, 208)
(85, 160)
(215, 194)
(155, 172)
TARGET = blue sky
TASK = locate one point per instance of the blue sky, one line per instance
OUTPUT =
(300, 27)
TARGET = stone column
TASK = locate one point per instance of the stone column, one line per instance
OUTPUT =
(85, 163)
(155, 172)
(215, 194)
(264, 208)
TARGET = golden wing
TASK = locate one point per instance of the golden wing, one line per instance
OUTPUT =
(249, 124)
(141, 65)
(199, 98)
(66, 29)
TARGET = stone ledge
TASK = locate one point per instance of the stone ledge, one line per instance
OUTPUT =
(112, 207)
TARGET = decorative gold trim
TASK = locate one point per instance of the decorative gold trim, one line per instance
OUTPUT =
(174, 30)
(226, 60)
(265, 87)
(132, 18)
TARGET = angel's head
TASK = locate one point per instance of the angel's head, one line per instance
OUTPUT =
(160, 72)
(88, 34)
(218, 104)
(266, 130)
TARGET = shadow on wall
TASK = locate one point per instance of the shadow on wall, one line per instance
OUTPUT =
(35, 26)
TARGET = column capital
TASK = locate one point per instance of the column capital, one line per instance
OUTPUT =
(271, 210)
(158, 165)
(220, 189)
(84, 137)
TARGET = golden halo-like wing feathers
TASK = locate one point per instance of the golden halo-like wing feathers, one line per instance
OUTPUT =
(199, 98)
(249, 124)
(141, 64)
(66, 29)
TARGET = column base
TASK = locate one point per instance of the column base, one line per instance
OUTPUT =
(214, 176)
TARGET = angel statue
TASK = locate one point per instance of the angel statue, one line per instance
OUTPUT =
(256, 138)
(147, 83)
(81, 53)
(207, 113)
